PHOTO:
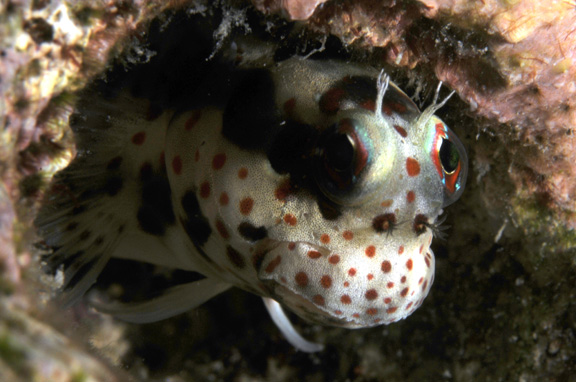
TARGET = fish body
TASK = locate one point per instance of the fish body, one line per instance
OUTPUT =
(316, 184)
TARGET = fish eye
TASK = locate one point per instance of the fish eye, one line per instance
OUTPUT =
(449, 157)
(343, 157)
(451, 162)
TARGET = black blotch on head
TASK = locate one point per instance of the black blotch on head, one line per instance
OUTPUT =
(195, 224)
(252, 233)
(329, 210)
(420, 224)
(113, 185)
(291, 151)
(384, 223)
(250, 118)
(156, 212)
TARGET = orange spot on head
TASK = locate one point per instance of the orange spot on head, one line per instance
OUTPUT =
(348, 235)
(410, 196)
(242, 173)
(404, 292)
(370, 251)
(325, 239)
(283, 190)
(314, 254)
(301, 279)
(371, 311)
(222, 229)
(409, 264)
(246, 205)
(334, 259)
(401, 250)
(387, 300)
(326, 281)
(273, 264)
(412, 167)
(401, 131)
(386, 203)
(371, 294)
(369, 276)
(352, 271)
(345, 299)
(390, 285)
(290, 219)
(386, 266)
(318, 300)
(291, 246)
(391, 310)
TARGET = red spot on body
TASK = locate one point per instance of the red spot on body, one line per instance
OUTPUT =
(371, 294)
(386, 266)
(291, 246)
(290, 219)
(243, 173)
(391, 310)
(420, 281)
(401, 131)
(246, 205)
(346, 284)
(325, 239)
(368, 104)
(205, 190)
(371, 311)
(410, 196)
(314, 254)
(424, 285)
(193, 120)
(427, 262)
(356, 315)
(224, 199)
(222, 229)
(390, 285)
(318, 300)
(273, 264)
(409, 305)
(369, 276)
(421, 249)
(370, 251)
(412, 167)
(218, 161)
(409, 264)
(403, 279)
(326, 281)
(334, 259)
(139, 138)
(352, 272)
(301, 279)
(387, 300)
(338, 312)
(401, 250)
(348, 235)
(404, 292)
(177, 165)
(345, 299)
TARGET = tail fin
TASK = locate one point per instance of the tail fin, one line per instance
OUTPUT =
(95, 202)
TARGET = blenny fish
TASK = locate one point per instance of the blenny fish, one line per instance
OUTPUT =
(316, 184)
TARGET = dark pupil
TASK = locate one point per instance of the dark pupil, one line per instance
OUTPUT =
(339, 151)
(449, 156)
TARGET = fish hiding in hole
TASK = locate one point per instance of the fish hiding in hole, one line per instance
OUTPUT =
(318, 185)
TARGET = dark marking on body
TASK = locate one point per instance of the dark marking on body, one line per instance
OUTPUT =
(196, 225)
(156, 212)
(252, 233)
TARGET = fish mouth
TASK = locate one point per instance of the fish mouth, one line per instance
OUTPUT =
(347, 289)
